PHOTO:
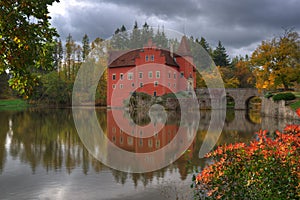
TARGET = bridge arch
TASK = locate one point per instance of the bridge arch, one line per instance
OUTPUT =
(248, 101)
(241, 96)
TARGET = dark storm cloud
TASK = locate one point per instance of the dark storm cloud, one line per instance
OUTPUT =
(239, 24)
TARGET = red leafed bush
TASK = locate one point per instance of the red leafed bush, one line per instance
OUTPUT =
(267, 168)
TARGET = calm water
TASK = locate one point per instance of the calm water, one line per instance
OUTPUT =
(42, 156)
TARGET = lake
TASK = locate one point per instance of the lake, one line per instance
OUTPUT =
(42, 156)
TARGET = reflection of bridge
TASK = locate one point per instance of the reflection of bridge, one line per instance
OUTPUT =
(241, 96)
(240, 123)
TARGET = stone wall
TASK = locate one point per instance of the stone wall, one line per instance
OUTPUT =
(277, 109)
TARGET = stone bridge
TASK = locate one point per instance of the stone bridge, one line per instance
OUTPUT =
(215, 98)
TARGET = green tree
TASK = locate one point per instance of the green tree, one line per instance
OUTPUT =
(220, 56)
(58, 54)
(24, 32)
(85, 47)
(69, 56)
(277, 62)
(204, 44)
(5, 91)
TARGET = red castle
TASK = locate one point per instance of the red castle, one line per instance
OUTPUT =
(150, 70)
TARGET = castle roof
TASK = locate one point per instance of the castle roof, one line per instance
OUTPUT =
(127, 58)
(184, 47)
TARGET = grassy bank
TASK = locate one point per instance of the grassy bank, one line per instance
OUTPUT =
(295, 105)
(13, 104)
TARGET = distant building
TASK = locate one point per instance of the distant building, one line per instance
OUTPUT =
(149, 70)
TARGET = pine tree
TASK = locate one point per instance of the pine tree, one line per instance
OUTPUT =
(204, 44)
(85, 47)
(220, 56)
(69, 55)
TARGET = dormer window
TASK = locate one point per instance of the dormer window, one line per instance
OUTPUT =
(152, 57)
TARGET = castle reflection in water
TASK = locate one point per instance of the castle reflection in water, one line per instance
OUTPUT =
(47, 140)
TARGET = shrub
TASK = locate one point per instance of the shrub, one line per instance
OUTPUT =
(268, 95)
(284, 96)
(267, 168)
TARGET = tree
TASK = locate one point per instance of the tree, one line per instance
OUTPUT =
(204, 44)
(85, 47)
(58, 54)
(69, 56)
(242, 71)
(5, 91)
(277, 62)
(220, 56)
(24, 32)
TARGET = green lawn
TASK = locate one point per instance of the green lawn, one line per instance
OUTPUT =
(295, 105)
(13, 104)
(297, 94)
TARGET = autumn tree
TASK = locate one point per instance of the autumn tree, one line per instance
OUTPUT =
(242, 71)
(25, 34)
(277, 61)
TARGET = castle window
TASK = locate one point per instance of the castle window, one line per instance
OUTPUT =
(130, 141)
(152, 57)
(132, 84)
(174, 75)
(150, 75)
(157, 144)
(121, 76)
(169, 75)
(141, 84)
(155, 83)
(157, 74)
(114, 77)
(121, 86)
(130, 76)
(149, 142)
(146, 58)
(181, 74)
(140, 74)
(141, 142)
(114, 86)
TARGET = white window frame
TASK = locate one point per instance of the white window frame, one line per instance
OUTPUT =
(114, 77)
(157, 74)
(130, 76)
(150, 74)
(121, 76)
(140, 75)
(152, 57)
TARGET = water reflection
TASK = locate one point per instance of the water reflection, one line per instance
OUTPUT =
(46, 141)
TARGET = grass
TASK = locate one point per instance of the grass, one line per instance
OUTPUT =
(295, 105)
(297, 94)
(13, 104)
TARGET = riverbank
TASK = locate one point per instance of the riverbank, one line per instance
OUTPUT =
(13, 104)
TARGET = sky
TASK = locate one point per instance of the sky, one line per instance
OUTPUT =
(240, 25)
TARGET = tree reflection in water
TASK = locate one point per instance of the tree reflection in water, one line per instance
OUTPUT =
(47, 138)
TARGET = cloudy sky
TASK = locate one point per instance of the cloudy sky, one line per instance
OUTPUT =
(240, 24)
